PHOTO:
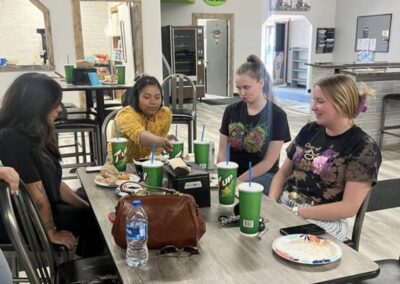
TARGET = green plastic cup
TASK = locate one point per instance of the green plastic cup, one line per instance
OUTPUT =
(249, 208)
(118, 146)
(153, 174)
(69, 69)
(227, 174)
(120, 74)
(201, 150)
(177, 149)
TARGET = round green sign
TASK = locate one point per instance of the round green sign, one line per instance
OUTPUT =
(215, 2)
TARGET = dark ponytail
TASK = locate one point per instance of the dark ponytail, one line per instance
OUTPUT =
(254, 68)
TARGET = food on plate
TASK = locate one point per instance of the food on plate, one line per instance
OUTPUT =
(109, 170)
(108, 175)
(124, 176)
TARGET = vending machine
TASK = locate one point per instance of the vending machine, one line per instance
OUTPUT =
(183, 52)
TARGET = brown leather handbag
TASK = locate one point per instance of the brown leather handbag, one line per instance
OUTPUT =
(174, 219)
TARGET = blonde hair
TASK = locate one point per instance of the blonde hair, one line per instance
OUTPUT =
(255, 69)
(344, 94)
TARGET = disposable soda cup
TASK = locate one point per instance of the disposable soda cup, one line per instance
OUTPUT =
(120, 74)
(201, 149)
(153, 174)
(249, 208)
(177, 149)
(227, 174)
(118, 146)
(69, 69)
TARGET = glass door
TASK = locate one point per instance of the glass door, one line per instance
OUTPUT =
(184, 50)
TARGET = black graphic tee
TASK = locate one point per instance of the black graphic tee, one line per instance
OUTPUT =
(249, 135)
(323, 164)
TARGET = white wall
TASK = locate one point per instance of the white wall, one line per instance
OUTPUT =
(96, 28)
(346, 21)
(321, 15)
(63, 40)
(151, 22)
(248, 22)
(20, 44)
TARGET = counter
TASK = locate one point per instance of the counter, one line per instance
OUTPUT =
(382, 77)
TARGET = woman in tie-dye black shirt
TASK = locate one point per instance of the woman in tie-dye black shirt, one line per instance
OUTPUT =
(332, 163)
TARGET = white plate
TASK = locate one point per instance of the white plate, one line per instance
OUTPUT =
(133, 187)
(307, 249)
(132, 177)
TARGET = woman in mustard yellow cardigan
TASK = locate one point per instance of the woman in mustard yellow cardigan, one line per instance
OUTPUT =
(144, 120)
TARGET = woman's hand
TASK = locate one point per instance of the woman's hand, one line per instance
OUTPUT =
(10, 176)
(62, 237)
(172, 137)
(165, 144)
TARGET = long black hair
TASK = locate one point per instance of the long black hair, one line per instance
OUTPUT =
(131, 96)
(26, 105)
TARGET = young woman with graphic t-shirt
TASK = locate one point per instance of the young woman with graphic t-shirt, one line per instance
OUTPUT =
(332, 163)
(255, 127)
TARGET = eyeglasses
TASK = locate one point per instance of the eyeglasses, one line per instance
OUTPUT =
(171, 250)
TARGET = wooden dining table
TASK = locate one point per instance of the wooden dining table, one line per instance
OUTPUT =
(226, 256)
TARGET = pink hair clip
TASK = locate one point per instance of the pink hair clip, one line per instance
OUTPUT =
(362, 107)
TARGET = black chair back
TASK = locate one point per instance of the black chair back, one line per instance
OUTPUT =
(27, 234)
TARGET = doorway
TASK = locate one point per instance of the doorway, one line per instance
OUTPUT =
(218, 52)
(286, 49)
(216, 56)
(276, 51)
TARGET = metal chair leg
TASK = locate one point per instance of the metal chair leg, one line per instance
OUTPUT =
(383, 118)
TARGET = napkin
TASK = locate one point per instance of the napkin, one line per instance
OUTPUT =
(179, 166)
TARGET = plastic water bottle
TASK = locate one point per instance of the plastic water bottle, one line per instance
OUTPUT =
(137, 253)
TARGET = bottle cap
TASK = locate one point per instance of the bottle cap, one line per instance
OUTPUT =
(136, 203)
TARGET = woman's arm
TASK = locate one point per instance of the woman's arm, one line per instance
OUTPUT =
(70, 197)
(279, 179)
(147, 138)
(270, 157)
(10, 176)
(353, 196)
(39, 198)
(223, 141)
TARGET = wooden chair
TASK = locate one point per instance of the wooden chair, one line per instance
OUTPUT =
(176, 88)
(34, 250)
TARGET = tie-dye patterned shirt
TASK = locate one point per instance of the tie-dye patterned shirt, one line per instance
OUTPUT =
(249, 135)
(323, 164)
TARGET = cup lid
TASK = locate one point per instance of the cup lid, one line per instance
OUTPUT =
(255, 187)
(155, 164)
(230, 165)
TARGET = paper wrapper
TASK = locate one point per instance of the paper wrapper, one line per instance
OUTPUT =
(179, 166)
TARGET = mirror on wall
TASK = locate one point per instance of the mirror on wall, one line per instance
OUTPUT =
(26, 37)
(108, 33)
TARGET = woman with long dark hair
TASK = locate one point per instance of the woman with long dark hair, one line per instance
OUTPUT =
(29, 108)
(144, 120)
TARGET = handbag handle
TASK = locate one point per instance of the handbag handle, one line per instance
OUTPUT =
(161, 188)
